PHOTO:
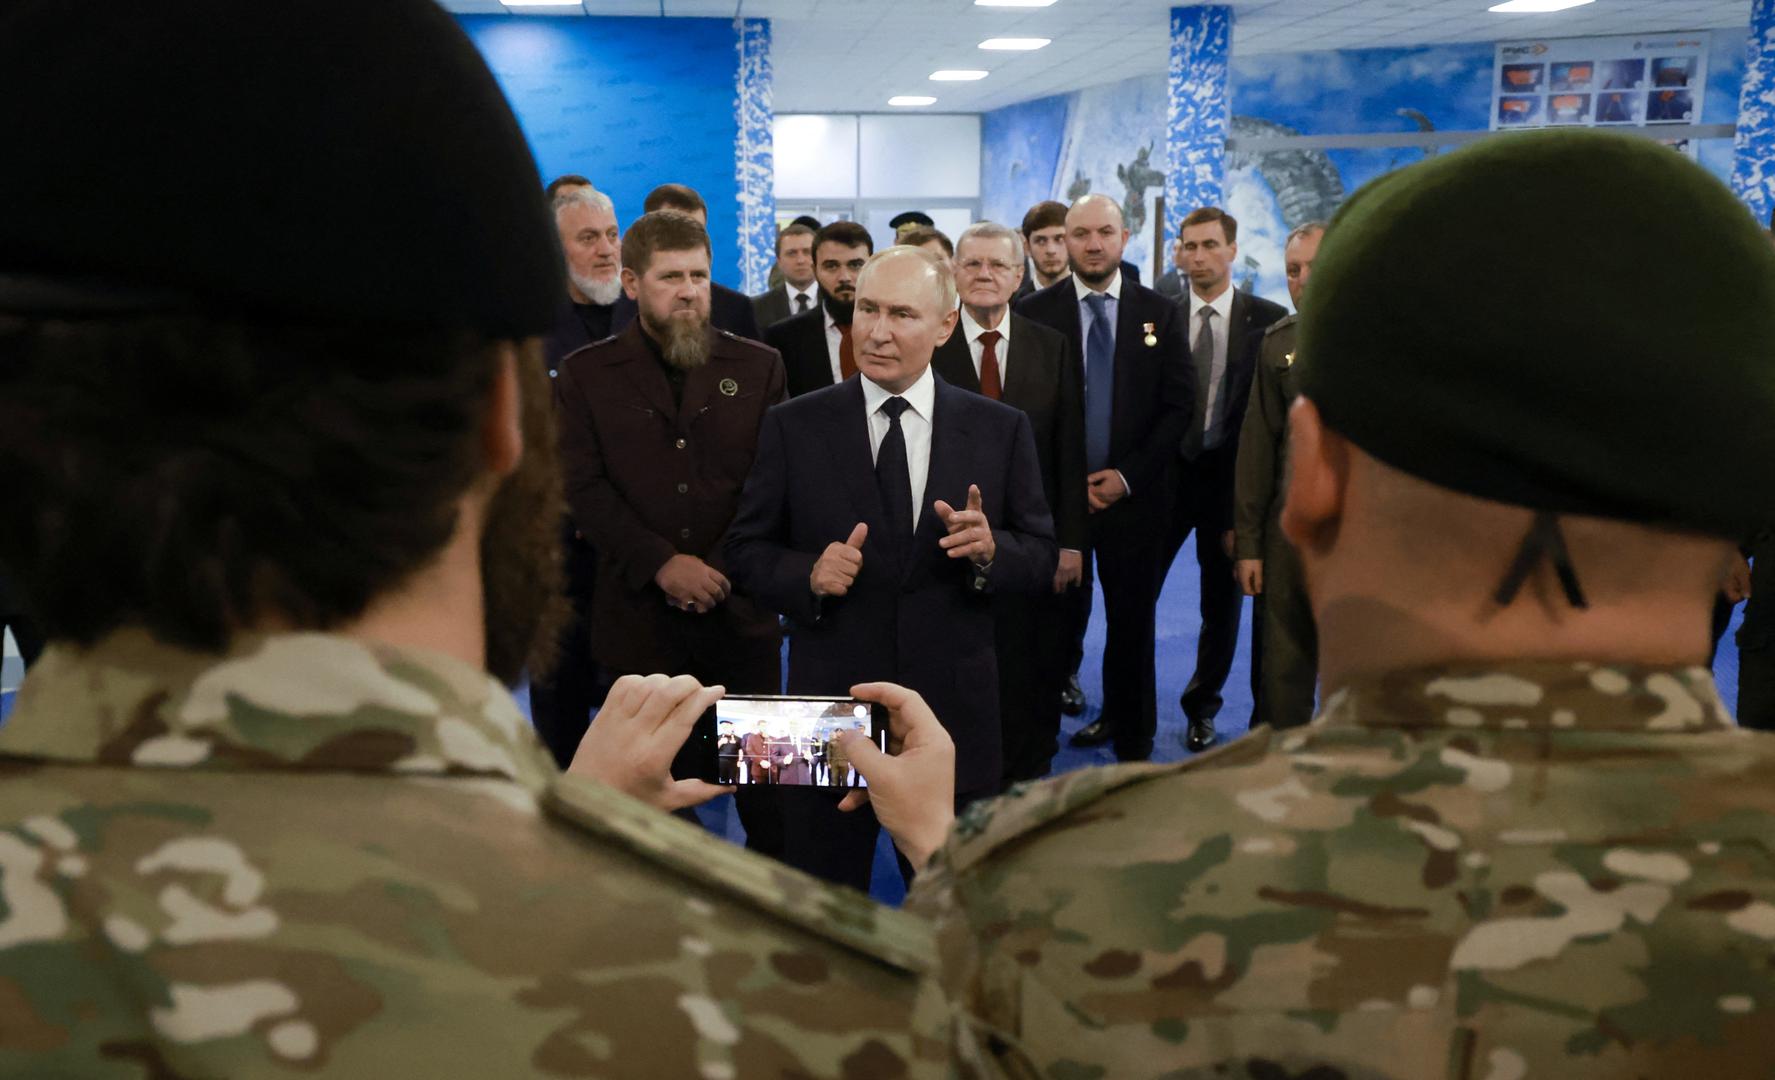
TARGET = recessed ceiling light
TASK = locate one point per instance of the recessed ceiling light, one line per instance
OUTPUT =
(907, 101)
(1520, 7)
(1013, 3)
(1014, 44)
(948, 75)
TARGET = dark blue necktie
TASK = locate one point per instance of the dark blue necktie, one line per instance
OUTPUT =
(1100, 382)
(893, 478)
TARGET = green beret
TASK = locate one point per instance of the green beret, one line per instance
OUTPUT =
(1569, 321)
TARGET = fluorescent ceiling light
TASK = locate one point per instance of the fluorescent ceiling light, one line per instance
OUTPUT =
(540, 3)
(907, 101)
(1520, 7)
(948, 75)
(1014, 44)
(1013, 3)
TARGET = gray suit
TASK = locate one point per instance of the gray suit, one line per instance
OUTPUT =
(774, 305)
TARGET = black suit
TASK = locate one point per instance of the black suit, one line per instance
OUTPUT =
(562, 704)
(1204, 502)
(729, 310)
(927, 625)
(775, 305)
(1171, 284)
(1042, 377)
(1154, 396)
(807, 360)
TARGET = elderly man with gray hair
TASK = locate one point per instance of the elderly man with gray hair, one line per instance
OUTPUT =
(1033, 368)
(883, 515)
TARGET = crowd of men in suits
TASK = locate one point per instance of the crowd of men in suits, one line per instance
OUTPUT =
(916, 463)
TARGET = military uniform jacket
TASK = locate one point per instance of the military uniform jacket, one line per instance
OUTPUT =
(1258, 486)
(319, 857)
(1515, 870)
(648, 478)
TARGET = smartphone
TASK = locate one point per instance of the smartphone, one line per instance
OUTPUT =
(759, 741)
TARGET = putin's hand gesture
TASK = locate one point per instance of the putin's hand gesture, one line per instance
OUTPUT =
(838, 566)
(970, 534)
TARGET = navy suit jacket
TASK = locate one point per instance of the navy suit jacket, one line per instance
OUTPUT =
(924, 625)
(1155, 388)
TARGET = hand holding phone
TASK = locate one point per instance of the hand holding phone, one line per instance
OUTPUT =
(771, 741)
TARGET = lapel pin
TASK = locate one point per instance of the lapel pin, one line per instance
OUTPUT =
(1151, 338)
(729, 387)
(1288, 360)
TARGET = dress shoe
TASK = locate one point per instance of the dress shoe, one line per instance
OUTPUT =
(1072, 699)
(1096, 733)
(1200, 735)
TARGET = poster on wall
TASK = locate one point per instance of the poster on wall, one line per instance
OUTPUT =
(1600, 82)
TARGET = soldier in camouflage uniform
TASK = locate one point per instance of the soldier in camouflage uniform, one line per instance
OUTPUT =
(263, 809)
(1524, 838)
(1264, 561)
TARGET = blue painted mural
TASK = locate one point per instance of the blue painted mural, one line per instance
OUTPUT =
(594, 99)
(1058, 146)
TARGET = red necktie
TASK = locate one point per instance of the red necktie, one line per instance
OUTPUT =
(847, 361)
(989, 380)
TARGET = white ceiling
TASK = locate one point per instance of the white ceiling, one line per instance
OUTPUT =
(852, 55)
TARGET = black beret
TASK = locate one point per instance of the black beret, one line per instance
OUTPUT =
(1569, 321)
(317, 161)
(911, 217)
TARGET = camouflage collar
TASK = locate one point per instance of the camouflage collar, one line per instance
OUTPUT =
(280, 701)
(1532, 695)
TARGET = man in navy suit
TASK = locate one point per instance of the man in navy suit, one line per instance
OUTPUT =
(1139, 392)
(882, 514)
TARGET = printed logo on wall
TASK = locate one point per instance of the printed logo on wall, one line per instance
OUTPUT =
(1601, 82)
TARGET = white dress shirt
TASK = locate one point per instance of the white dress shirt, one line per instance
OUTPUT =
(971, 332)
(812, 292)
(1221, 321)
(915, 426)
(834, 345)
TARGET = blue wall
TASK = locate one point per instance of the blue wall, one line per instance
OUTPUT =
(631, 103)
(1053, 146)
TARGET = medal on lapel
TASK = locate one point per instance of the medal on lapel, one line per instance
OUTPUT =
(1288, 360)
(1151, 338)
(729, 388)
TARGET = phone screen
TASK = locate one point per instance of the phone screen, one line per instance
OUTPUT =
(785, 741)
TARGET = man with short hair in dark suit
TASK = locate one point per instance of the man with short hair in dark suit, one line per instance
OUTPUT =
(1226, 328)
(1173, 283)
(1044, 241)
(658, 428)
(1139, 391)
(816, 346)
(1031, 367)
(882, 515)
(729, 309)
(799, 291)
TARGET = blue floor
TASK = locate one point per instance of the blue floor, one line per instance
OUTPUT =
(1178, 625)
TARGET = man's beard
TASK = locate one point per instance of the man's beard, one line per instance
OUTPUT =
(603, 293)
(840, 310)
(1098, 278)
(523, 590)
(683, 342)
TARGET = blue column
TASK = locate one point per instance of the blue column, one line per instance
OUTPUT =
(1196, 122)
(754, 155)
(1753, 166)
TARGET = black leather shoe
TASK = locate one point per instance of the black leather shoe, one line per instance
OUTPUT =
(1095, 733)
(1200, 735)
(1072, 699)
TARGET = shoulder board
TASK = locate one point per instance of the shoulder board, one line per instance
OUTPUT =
(1284, 322)
(843, 916)
(990, 825)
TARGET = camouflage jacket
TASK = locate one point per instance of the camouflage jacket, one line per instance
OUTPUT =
(315, 856)
(1524, 870)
